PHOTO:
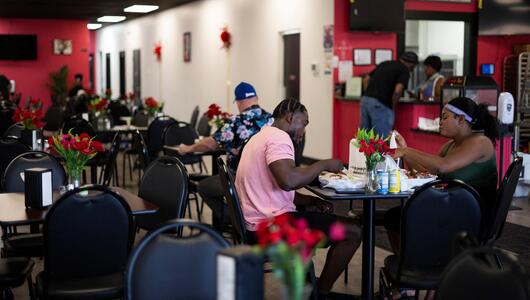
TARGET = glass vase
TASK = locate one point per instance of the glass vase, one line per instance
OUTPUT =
(287, 292)
(74, 181)
(371, 182)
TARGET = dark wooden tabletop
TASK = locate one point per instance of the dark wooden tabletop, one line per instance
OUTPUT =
(13, 210)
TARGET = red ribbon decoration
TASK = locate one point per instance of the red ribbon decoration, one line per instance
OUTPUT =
(158, 51)
(225, 37)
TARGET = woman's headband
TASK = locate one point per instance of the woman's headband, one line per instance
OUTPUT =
(457, 111)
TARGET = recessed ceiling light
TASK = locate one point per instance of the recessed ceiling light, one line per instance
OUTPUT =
(140, 8)
(93, 26)
(111, 19)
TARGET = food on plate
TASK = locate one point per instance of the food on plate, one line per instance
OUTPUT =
(413, 173)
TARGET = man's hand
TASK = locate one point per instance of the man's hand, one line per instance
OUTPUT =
(183, 149)
(323, 206)
(333, 165)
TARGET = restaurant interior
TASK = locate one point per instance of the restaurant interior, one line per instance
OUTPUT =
(145, 146)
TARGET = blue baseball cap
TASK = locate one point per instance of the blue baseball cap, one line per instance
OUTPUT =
(244, 91)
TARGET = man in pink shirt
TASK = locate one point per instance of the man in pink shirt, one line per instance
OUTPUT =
(267, 178)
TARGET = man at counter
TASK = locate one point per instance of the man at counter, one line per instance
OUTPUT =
(382, 89)
(231, 137)
(267, 179)
(5, 85)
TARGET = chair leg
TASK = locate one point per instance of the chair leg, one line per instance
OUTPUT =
(199, 217)
(31, 288)
(313, 280)
(346, 274)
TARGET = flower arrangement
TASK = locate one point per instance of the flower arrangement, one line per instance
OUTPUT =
(216, 116)
(108, 93)
(373, 146)
(98, 105)
(31, 116)
(289, 244)
(152, 106)
(76, 150)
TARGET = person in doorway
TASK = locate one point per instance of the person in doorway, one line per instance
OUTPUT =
(78, 85)
(431, 88)
(382, 89)
(267, 179)
(232, 136)
(5, 86)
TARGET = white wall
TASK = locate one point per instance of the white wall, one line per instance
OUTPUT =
(256, 56)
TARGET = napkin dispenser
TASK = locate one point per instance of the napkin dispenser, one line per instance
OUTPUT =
(239, 274)
(38, 187)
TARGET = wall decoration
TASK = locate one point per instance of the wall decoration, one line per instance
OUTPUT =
(62, 47)
(382, 55)
(362, 57)
(225, 38)
(328, 38)
(157, 50)
(187, 46)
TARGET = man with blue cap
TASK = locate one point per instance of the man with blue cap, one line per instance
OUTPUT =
(232, 136)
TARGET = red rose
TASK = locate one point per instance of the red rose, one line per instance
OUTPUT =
(98, 146)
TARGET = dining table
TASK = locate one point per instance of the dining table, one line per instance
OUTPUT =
(13, 210)
(368, 227)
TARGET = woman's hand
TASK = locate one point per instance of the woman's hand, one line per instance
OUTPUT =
(400, 140)
(399, 152)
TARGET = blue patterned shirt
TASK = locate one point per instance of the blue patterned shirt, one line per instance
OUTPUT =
(238, 129)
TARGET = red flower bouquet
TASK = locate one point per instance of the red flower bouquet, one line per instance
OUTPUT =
(289, 244)
(76, 150)
(152, 106)
(373, 146)
(216, 116)
(30, 117)
(98, 105)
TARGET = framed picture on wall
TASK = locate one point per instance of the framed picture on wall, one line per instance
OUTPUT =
(187, 46)
(382, 55)
(62, 47)
(362, 57)
(456, 1)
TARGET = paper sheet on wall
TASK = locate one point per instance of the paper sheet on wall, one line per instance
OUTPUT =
(345, 70)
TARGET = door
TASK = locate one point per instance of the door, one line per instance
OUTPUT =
(136, 77)
(107, 72)
(291, 65)
(122, 74)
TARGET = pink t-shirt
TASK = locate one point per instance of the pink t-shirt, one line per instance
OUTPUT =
(261, 196)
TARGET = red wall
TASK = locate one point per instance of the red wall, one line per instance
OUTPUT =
(31, 75)
(493, 50)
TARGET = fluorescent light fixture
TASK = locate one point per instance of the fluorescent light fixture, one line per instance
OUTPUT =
(111, 19)
(93, 26)
(140, 8)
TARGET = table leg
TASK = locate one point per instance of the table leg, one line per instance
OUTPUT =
(368, 250)
(215, 169)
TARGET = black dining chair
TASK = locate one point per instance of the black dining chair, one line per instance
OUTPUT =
(140, 118)
(53, 117)
(118, 110)
(87, 240)
(14, 272)
(10, 148)
(110, 170)
(23, 244)
(155, 135)
(204, 128)
(78, 125)
(164, 266)
(194, 117)
(475, 275)
(14, 130)
(139, 150)
(431, 219)
(6, 116)
(165, 184)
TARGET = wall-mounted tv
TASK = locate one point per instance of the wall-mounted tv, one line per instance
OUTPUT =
(18, 47)
(504, 17)
(377, 15)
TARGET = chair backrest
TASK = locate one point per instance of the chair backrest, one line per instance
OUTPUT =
(9, 149)
(108, 170)
(54, 118)
(138, 143)
(6, 117)
(87, 235)
(165, 265)
(165, 184)
(12, 180)
(239, 232)
(140, 118)
(15, 130)
(504, 200)
(118, 110)
(78, 126)
(155, 134)
(204, 128)
(178, 133)
(431, 220)
(475, 275)
(194, 117)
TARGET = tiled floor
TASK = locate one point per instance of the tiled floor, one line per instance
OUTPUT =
(521, 217)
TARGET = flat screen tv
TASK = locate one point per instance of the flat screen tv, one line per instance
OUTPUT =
(377, 15)
(18, 47)
(506, 17)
